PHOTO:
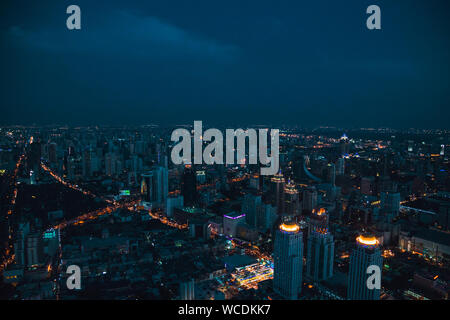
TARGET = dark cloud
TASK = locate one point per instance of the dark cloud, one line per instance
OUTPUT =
(304, 63)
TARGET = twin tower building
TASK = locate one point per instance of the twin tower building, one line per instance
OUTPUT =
(288, 259)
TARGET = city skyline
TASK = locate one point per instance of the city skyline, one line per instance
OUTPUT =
(243, 151)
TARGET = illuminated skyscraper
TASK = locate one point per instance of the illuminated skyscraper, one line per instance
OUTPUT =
(250, 207)
(340, 166)
(288, 260)
(291, 200)
(320, 254)
(367, 253)
(278, 191)
(344, 145)
(155, 187)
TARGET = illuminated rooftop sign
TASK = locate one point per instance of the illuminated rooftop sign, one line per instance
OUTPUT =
(367, 241)
(289, 227)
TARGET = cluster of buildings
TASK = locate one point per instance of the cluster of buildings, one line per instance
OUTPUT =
(337, 207)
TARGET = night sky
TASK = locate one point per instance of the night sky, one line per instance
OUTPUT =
(229, 62)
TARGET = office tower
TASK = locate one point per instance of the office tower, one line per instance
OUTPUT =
(297, 167)
(33, 249)
(291, 199)
(320, 253)
(250, 207)
(309, 199)
(87, 165)
(288, 260)
(71, 168)
(189, 186)
(277, 191)
(318, 220)
(344, 145)
(187, 290)
(266, 217)
(155, 187)
(340, 166)
(34, 156)
(331, 168)
(110, 164)
(442, 152)
(367, 253)
(95, 163)
(52, 156)
(19, 249)
(174, 202)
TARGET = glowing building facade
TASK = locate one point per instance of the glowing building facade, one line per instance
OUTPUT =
(278, 192)
(291, 200)
(320, 252)
(155, 187)
(288, 260)
(367, 253)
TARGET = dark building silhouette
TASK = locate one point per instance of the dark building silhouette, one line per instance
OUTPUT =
(189, 186)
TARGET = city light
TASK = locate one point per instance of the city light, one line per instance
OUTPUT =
(368, 241)
(289, 227)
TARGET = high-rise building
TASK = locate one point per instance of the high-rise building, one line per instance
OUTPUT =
(175, 202)
(266, 217)
(331, 168)
(320, 253)
(291, 200)
(344, 145)
(318, 219)
(367, 253)
(34, 155)
(309, 199)
(288, 260)
(250, 207)
(189, 186)
(33, 249)
(110, 164)
(340, 166)
(19, 249)
(155, 187)
(277, 191)
(87, 165)
(52, 156)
